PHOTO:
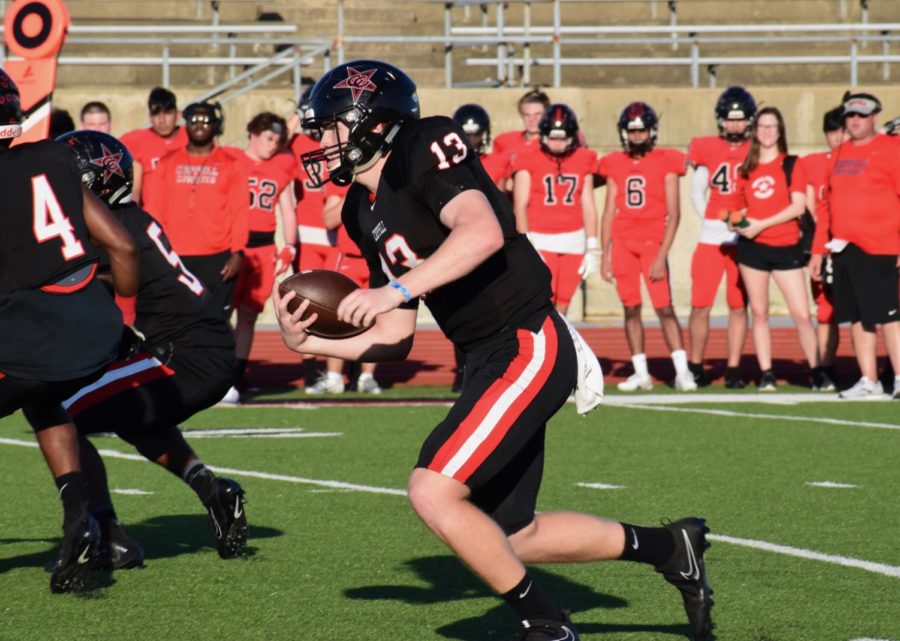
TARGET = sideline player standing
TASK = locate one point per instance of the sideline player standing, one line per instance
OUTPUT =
(59, 326)
(186, 365)
(640, 219)
(476, 122)
(429, 221)
(716, 160)
(861, 215)
(269, 173)
(553, 200)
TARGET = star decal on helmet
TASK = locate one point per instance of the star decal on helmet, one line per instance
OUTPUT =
(357, 82)
(110, 163)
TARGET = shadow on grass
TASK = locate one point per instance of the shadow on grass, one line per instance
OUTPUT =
(448, 580)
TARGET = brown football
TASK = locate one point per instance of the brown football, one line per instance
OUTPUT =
(324, 289)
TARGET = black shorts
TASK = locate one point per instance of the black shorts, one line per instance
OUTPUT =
(768, 258)
(209, 270)
(493, 438)
(40, 401)
(865, 288)
(144, 393)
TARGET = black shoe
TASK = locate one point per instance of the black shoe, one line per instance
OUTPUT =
(548, 630)
(72, 572)
(822, 381)
(118, 551)
(767, 382)
(734, 381)
(227, 518)
(700, 377)
(686, 570)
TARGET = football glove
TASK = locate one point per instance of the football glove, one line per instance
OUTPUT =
(590, 264)
(284, 259)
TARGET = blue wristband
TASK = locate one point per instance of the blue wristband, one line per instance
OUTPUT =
(400, 288)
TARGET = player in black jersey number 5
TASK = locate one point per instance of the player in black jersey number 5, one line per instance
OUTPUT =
(432, 225)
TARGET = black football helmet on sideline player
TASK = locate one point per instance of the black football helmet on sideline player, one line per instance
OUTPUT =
(104, 163)
(559, 123)
(476, 122)
(735, 103)
(363, 94)
(10, 111)
(638, 116)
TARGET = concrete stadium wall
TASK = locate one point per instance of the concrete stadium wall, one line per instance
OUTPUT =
(684, 113)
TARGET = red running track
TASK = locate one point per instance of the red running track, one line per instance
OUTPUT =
(430, 362)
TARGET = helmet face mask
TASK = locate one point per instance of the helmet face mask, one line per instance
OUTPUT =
(370, 100)
(638, 116)
(736, 105)
(104, 163)
(558, 123)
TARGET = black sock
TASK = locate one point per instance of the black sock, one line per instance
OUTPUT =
(202, 480)
(73, 494)
(653, 545)
(240, 373)
(695, 368)
(732, 372)
(310, 371)
(530, 602)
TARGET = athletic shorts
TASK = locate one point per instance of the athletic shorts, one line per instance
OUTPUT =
(493, 438)
(151, 390)
(313, 257)
(865, 288)
(353, 267)
(256, 278)
(708, 265)
(40, 401)
(564, 275)
(632, 258)
(822, 298)
(769, 258)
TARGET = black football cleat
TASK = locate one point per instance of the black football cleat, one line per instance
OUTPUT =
(686, 570)
(227, 518)
(548, 630)
(118, 551)
(72, 571)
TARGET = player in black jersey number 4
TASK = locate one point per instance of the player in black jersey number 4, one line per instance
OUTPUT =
(432, 225)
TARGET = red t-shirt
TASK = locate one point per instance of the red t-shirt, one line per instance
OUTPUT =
(722, 159)
(863, 199)
(765, 193)
(815, 166)
(554, 203)
(496, 165)
(147, 147)
(266, 180)
(200, 201)
(641, 209)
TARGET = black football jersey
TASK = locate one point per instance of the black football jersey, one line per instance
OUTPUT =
(43, 235)
(430, 163)
(172, 304)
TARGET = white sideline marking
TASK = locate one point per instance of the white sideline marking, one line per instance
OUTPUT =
(868, 566)
(869, 639)
(771, 417)
(260, 432)
(131, 491)
(833, 484)
(601, 486)
(762, 397)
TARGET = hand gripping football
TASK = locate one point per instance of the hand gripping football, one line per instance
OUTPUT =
(324, 289)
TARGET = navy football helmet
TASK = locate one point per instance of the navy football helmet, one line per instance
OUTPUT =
(104, 163)
(559, 123)
(735, 103)
(364, 95)
(638, 116)
(476, 122)
(10, 110)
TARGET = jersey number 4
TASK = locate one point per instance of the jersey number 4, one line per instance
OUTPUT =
(721, 179)
(49, 220)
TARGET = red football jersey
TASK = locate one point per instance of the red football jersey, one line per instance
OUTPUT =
(310, 199)
(722, 159)
(344, 243)
(266, 180)
(496, 165)
(641, 209)
(554, 203)
(147, 147)
(765, 193)
(815, 166)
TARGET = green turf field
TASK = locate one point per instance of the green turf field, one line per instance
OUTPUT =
(337, 554)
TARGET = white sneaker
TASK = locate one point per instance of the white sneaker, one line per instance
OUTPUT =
(685, 381)
(368, 385)
(896, 394)
(864, 389)
(232, 397)
(636, 382)
(326, 385)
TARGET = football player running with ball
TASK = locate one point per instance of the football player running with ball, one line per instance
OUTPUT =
(432, 225)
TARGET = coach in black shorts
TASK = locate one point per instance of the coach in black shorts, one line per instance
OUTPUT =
(58, 326)
(432, 225)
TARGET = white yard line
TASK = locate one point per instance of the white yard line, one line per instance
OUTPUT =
(601, 486)
(769, 417)
(831, 484)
